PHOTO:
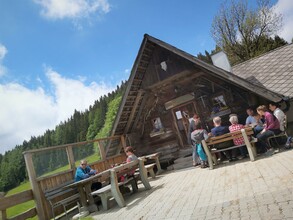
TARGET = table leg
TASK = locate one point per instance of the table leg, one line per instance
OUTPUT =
(83, 197)
(158, 165)
(91, 202)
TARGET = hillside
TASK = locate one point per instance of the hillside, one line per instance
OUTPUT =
(81, 126)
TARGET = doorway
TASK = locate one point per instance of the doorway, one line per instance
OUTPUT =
(182, 115)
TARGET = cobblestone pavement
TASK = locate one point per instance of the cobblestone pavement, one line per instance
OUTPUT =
(240, 190)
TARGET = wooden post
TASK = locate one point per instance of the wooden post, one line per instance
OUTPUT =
(35, 187)
(70, 157)
(3, 215)
(115, 189)
(143, 173)
(159, 171)
(248, 145)
(122, 145)
(102, 151)
(208, 153)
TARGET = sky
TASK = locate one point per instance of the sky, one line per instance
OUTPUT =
(57, 56)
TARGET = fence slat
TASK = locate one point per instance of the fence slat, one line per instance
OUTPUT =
(16, 199)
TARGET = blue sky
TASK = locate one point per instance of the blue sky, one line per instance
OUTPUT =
(61, 55)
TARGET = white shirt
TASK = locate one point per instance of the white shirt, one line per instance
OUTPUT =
(280, 115)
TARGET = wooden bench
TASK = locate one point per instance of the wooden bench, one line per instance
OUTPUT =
(211, 150)
(113, 190)
(150, 170)
(59, 196)
(105, 193)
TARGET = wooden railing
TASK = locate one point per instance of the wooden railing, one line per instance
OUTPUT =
(40, 184)
(16, 199)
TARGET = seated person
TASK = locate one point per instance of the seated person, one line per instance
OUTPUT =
(279, 114)
(83, 172)
(220, 130)
(272, 127)
(130, 154)
(250, 119)
(258, 126)
(237, 141)
(130, 157)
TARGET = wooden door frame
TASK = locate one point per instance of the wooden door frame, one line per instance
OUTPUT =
(181, 142)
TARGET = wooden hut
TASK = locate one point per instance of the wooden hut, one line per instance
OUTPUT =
(166, 87)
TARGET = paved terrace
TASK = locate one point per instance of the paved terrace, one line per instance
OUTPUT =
(240, 190)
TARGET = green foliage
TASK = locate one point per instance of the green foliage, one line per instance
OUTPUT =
(110, 117)
(244, 33)
(81, 126)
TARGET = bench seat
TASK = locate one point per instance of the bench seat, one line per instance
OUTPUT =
(150, 170)
(105, 192)
(211, 150)
(59, 196)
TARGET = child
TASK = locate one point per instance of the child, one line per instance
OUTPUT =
(130, 154)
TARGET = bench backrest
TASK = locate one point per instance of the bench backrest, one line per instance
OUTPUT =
(59, 191)
(126, 166)
(228, 136)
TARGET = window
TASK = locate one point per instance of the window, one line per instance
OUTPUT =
(219, 103)
(157, 124)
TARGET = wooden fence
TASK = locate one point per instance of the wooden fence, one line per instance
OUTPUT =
(40, 184)
(16, 199)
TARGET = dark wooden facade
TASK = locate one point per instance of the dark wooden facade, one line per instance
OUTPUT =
(166, 87)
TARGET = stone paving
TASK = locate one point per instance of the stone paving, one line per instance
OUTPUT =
(240, 190)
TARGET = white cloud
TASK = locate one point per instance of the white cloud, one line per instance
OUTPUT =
(3, 52)
(285, 7)
(25, 113)
(72, 9)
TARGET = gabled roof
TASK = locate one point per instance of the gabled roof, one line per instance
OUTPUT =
(133, 96)
(273, 70)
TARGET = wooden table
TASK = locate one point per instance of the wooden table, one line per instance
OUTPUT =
(155, 157)
(84, 186)
(84, 189)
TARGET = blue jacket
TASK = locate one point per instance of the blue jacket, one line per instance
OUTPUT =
(81, 174)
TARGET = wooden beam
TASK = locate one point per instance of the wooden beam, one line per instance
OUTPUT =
(183, 76)
(13, 200)
(133, 111)
(70, 157)
(140, 109)
(102, 150)
(72, 144)
(37, 191)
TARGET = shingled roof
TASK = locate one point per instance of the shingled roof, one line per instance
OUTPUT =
(273, 70)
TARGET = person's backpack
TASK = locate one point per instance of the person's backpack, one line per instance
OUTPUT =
(197, 136)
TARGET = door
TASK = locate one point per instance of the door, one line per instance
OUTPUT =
(182, 115)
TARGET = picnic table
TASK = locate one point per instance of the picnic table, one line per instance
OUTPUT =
(155, 157)
(84, 189)
(112, 174)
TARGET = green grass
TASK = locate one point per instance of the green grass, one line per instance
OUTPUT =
(18, 209)
(87, 218)
(90, 159)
